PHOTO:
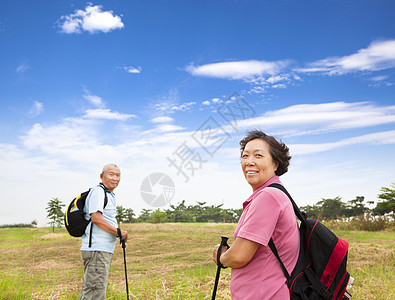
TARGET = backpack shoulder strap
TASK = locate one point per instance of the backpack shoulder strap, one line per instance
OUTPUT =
(297, 211)
(275, 252)
(105, 204)
(105, 194)
(300, 216)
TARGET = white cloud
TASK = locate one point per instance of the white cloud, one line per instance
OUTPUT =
(183, 107)
(164, 128)
(378, 138)
(379, 78)
(132, 70)
(169, 103)
(213, 101)
(36, 109)
(65, 158)
(325, 117)
(92, 19)
(106, 114)
(101, 112)
(68, 134)
(171, 107)
(22, 68)
(379, 55)
(258, 73)
(95, 100)
(162, 120)
(237, 69)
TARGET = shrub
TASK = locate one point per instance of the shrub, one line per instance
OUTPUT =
(367, 222)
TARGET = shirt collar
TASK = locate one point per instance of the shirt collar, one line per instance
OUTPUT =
(253, 195)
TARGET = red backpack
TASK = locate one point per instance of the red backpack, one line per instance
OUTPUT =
(320, 272)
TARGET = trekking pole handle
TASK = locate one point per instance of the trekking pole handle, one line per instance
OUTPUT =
(121, 241)
(224, 242)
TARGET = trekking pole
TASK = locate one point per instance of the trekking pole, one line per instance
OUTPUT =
(224, 242)
(126, 274)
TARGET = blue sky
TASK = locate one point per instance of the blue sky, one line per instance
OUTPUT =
(172, 86)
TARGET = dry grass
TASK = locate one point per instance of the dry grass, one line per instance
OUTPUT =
(165, 261)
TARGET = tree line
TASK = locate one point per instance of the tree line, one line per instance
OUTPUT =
(325, 209)
(181, 212)
(334, 208)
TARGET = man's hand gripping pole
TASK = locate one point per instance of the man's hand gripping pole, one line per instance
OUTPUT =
(224, 242)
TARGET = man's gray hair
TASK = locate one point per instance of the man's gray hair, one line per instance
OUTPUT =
(108, 165)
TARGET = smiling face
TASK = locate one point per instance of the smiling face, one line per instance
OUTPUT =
(111, 177)
(257, 163)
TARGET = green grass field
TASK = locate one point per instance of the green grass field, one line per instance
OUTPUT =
(165, 261)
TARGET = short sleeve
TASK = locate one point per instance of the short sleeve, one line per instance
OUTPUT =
(261, 218)
(95, 200)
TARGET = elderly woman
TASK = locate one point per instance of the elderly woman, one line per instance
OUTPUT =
(267, 213)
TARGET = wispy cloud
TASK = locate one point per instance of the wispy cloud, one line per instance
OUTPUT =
(170, 104)
(101, 112)
(93, 99)
(107, 114)
(36, 109)
(238, 69)
(378, 138)
(22, 68)
(213, 101)
(325, 117)
(162, 128)
(164, 125)
(380, 80)
(162, 120)
(132, 70)
(92, 19)
(259, 74)
(379, 55)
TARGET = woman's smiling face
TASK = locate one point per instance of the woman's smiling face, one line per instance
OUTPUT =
(257, 163)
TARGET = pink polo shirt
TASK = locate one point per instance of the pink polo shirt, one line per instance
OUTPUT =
(267, 213)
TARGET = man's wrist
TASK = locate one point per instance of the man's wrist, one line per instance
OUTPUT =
(119, 234)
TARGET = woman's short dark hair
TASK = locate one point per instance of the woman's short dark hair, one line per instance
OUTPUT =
(278, 150)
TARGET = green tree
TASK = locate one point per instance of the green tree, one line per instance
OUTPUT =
(180, 213)
(312, 211)
(356, 207)
(233, 215)
(158, 216)
(121, 214)
(55, 213)
(388, 203)
(130, 216)
(145, 215)
(331, 208)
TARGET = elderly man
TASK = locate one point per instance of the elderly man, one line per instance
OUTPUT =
(98, 242)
